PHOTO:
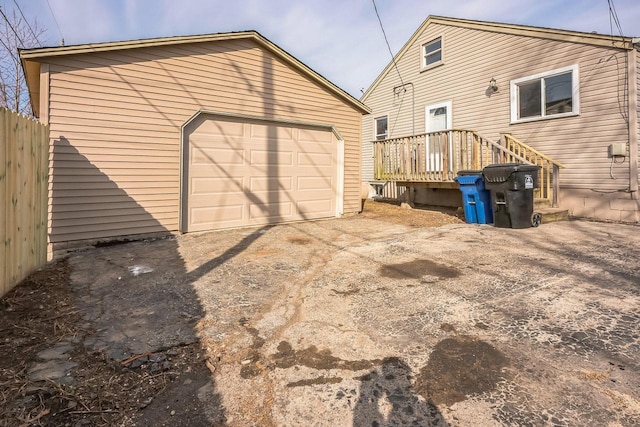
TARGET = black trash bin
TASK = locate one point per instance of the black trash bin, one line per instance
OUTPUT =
(511, 186)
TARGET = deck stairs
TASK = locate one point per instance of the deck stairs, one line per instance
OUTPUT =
(549, 213)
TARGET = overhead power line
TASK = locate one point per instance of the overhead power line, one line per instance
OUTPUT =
(56, 21)
(11, 26)
(393, 59)
(613, 18)
(33, 33)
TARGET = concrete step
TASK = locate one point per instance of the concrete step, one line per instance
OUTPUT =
(552, 214)
(549, 214)
(541, 203)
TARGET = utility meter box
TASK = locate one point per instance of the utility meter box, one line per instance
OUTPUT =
(617, 149)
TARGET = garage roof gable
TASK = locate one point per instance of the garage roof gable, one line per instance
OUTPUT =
(32, 58)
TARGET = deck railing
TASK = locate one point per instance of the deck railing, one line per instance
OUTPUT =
(439, 156)
(549, 168)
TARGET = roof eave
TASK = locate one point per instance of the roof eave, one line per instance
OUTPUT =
(31, 70)
(603, 40)
(616, 42)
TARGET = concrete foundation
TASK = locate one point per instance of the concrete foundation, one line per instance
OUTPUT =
(613, 206)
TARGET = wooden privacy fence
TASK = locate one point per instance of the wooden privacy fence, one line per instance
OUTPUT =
(24, 155)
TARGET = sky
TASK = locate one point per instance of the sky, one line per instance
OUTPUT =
(340, 39)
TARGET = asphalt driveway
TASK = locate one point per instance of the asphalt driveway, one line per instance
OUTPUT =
(363, 321)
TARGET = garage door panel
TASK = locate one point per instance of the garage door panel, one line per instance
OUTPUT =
(227, 199)
(224, 129)
(260, 174)
(271, 132)
(261, 184)
(213, 186)
(202, 156)
(315, 137)
(315, 159)
(204, 140)
(313, 208)
(228, 215)
(313, 195)
(272, 210)
(271, 158)
(315, 183)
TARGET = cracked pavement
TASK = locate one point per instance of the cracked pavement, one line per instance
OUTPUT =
(362, 322)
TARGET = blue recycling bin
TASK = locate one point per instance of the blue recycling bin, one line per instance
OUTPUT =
(476, 200)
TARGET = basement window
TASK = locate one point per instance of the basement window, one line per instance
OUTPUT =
(545, 95)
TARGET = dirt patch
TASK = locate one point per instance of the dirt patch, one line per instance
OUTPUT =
(420, 216)
(299, 240)
(417, 269)
(459, 367)
(42, 314)
(311, 357)
(315, 381)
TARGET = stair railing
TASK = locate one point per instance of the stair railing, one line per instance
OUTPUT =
(549, 168)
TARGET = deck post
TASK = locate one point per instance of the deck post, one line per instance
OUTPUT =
(556, 185)
(406, 200)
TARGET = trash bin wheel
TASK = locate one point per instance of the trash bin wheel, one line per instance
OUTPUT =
(536, 219)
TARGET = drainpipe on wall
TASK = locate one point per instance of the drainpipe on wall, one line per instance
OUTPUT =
(633, 121)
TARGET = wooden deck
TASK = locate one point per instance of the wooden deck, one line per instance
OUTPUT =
(434, 159)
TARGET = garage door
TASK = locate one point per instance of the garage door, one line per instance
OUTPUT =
(241, 173)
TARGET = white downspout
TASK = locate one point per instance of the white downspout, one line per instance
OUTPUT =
(633, 122)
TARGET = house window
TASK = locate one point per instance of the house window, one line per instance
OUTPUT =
(381, 128)
(546, 95)
(432, 52)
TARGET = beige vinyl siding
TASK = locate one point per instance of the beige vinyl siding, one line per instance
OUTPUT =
(472, 57)
(637, 54)
(367, 147)
(121, 113)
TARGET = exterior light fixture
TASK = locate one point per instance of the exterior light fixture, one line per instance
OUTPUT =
(493, 85)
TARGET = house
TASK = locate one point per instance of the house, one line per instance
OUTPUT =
(462, 93)
(190, 134)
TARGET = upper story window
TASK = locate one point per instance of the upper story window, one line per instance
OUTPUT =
(381, 128)
(432, 53)
(545, 95)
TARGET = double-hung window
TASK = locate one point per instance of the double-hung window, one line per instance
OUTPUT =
(546, 95)
(381, 124)
(432, 53)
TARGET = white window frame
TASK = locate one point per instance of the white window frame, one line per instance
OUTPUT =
(423, 55)
(375, 127)
(447, 105)
(575, 94)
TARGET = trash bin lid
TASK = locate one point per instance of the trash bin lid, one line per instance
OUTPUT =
(470, 172)
(468, 179)
(500, 172)
(527, 168)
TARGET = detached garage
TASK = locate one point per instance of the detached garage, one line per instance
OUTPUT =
(188, 134)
